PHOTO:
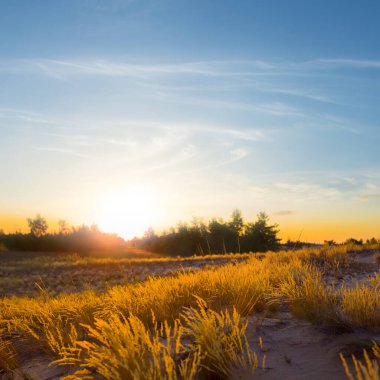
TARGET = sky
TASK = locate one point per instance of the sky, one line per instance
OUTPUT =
(138, 113)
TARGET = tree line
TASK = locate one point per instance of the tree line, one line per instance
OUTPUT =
(214, 237)
(81, 239)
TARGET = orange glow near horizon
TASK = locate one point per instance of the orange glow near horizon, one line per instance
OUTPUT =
(316, 231)
(13, 223)
(132, 216)
(17, 223)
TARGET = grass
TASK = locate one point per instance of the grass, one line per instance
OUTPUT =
(190, 324)
(310, 299)
(361, 305)
(367, 369)
(8, 361)
(74, 273)
(200, 341)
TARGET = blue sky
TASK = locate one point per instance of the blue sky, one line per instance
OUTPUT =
(174, 109)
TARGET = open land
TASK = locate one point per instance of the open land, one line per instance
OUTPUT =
(289, 315)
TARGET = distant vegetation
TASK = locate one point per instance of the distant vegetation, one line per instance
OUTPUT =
(215, 237)
(81, 239)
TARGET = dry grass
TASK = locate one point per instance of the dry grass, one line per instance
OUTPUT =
(310, 298)
(74, 273)
(361, 305)
(8, 359)
(368, 369)
(220, 340)
(200, 341)
(181, 326)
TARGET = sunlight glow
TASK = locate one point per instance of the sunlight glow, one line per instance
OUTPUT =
(128, 212)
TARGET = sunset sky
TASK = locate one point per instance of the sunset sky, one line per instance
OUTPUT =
(135, 113)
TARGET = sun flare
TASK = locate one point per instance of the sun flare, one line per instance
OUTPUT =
(128, 212)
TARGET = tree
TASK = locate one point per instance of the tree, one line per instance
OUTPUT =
(217, 236)
(237, 223)
(149, 233)
(63, 227)
(222, 236)
(260, 235)
(38, 226)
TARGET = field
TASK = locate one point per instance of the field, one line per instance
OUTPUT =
(292, 315)
(26, 273)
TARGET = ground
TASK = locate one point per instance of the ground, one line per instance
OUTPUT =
(26, 273)
(294, 348)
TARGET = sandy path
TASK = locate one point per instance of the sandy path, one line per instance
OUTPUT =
(297, 350)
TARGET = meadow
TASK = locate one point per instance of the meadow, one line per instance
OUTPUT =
(289, 314)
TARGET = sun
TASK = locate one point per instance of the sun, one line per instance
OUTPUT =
(129, 211)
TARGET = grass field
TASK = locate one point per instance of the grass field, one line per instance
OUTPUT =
(195, 318)
(25, 273)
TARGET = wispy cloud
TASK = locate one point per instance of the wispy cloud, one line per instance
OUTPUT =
(301, 94)
(193, 117)
(65, 68)
(206, 80)
(61, 151)
(247, 134)
(309, 190)
(331, 187)
(274, 108)
(283, 212)
(138, 147)
(344, 62)
(370, 197)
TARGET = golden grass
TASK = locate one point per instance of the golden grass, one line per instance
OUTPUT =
(310, 298)
(123, 348)
(361, 305)
(194, 322)
(201, 340)
(75, 259)
(8, 361)
(73, 273)
(368, 369)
